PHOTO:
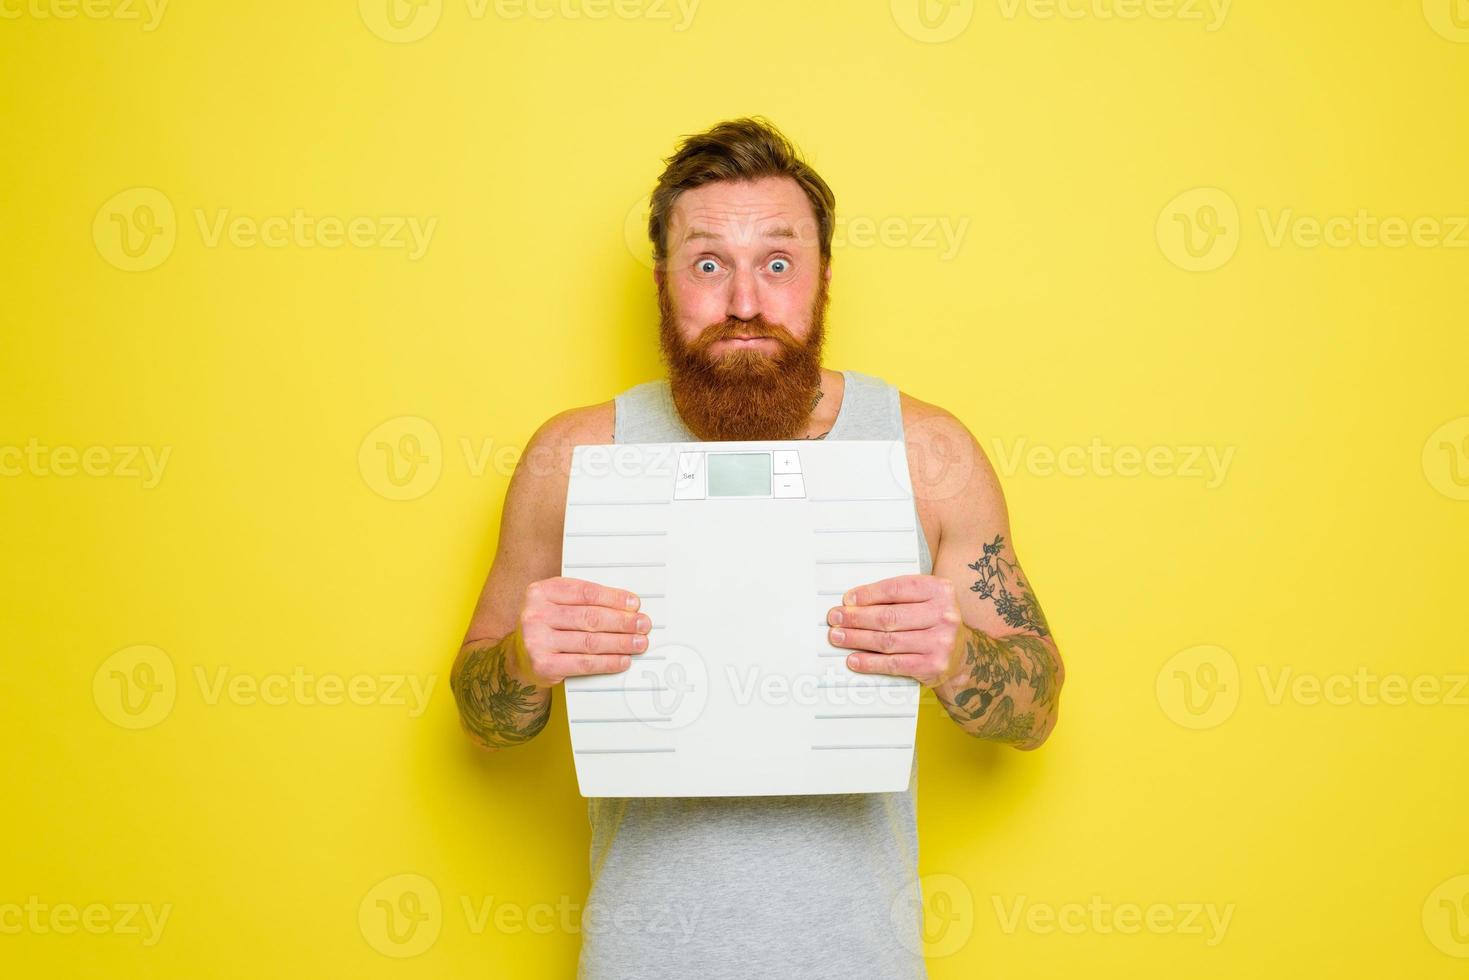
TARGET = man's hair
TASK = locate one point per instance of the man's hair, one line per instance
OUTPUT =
(748, 148)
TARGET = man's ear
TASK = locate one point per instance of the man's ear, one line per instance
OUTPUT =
(828, 270)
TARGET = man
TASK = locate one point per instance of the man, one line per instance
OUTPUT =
(801, 886)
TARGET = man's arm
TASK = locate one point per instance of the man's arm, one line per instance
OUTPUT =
(973, 630)
(1007, 683)
(503, 692)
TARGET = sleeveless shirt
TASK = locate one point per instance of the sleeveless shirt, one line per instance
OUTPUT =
(707, 888)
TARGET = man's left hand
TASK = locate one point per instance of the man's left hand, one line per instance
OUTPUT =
(907, 625)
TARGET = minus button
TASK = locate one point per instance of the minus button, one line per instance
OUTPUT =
(787, 485)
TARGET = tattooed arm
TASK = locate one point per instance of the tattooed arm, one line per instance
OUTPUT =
(1005, 675)
(533, 628)
(496, 710)
(1007, 683)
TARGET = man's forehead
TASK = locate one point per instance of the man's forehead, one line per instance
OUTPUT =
(769, 209)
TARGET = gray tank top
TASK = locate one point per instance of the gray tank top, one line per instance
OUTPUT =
(704, 888)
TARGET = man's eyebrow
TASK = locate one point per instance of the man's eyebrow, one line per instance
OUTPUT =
(779, 231)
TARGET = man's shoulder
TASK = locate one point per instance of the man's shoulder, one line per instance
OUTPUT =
(544, 465)
(925, 421)
(949, 467)
(926, 427)
(581, 425)
(593, 424)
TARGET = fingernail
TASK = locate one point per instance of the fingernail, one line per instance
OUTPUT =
(639, 642)
(836, 617)
(644, 623)
(626, 663)
(632, 602)
(847, 600)
(838, 635)
(853, 661)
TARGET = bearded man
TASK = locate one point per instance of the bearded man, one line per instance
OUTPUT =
(768, 886)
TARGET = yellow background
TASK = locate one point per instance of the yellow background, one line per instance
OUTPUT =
(1335, 540)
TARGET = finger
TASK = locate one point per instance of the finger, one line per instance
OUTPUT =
(882, 641)
(580, 592)
(888, 616)
(592, 619)
(900, 665)
(576, 665)
(582, 642)
(591, 642)
(899, 588)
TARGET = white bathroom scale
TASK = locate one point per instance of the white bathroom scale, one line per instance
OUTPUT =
(737, 550)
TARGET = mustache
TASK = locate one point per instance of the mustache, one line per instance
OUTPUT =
(730, 329)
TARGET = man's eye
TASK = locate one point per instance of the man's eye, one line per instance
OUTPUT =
(707, 266)
(779, 266)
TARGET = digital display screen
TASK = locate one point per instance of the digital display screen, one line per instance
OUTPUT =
(739, 474)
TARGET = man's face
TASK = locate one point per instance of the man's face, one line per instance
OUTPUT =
(742, 298)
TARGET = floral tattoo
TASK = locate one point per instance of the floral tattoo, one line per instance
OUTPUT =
(999, 581)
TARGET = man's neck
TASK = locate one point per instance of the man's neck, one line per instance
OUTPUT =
(828, 404)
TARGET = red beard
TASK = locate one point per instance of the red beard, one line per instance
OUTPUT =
(743, 394)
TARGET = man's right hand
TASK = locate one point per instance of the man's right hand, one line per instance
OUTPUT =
(569, 626)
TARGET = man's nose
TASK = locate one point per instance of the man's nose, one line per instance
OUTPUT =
(744, 299)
